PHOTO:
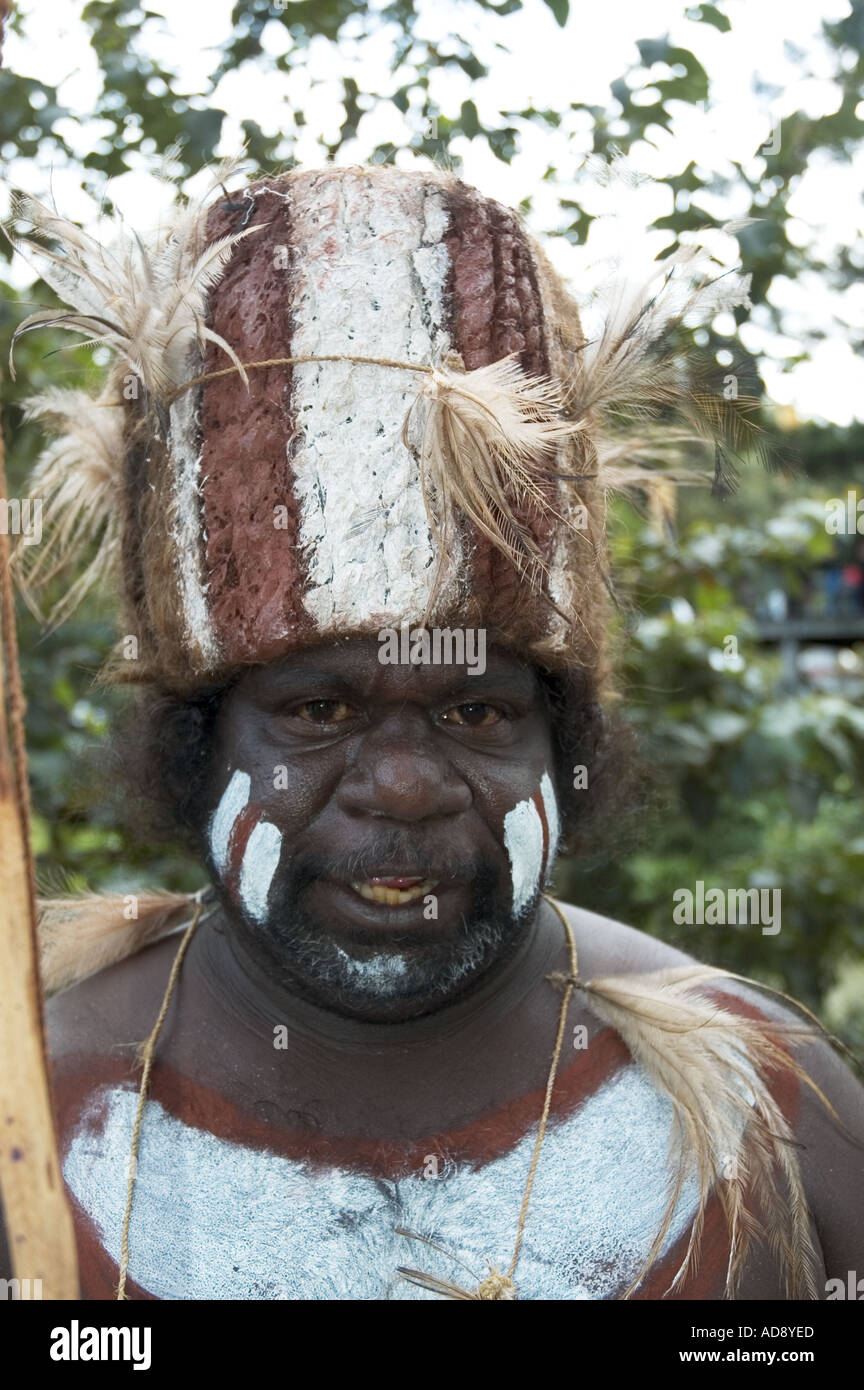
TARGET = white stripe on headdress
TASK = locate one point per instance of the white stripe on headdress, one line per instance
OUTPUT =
(190, 536)
(371, 280)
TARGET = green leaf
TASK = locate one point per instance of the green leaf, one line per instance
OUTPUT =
(653, 50)
(469, 120)
(692, 86)
(560, 9)
(503, 143)
(709, 14)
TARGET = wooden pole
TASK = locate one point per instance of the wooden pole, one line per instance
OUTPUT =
(37, 1215)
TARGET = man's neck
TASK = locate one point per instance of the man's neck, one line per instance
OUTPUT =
(256, 997)
(238, 1033)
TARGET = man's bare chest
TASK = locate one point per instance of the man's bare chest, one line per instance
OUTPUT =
(271, 1215)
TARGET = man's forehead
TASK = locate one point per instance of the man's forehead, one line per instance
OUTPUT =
(366, 663)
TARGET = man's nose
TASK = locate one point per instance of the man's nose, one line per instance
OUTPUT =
(401, 773)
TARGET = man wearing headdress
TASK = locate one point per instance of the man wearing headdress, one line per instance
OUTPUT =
(349, 473)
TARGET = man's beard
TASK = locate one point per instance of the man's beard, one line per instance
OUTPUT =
(406, 976)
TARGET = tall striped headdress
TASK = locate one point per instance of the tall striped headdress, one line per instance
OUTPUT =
(342, 400)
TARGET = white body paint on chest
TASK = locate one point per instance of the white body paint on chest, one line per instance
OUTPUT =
(262, 851)
(523, 840)
(215, 1220)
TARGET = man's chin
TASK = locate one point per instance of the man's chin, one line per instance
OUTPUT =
(386, 972)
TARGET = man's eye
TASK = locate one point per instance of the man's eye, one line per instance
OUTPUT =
(475, 715)
(324, 711)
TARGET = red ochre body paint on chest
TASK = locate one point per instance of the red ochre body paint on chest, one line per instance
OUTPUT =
(474, 1149)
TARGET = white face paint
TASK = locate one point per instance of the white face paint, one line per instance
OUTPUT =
(234, 798)
(260, 859)
(378, 974)
(550, 806)
(523, 840)
(260, 862)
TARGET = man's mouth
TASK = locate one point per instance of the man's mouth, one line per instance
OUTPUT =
(392, 901)
(393, 891)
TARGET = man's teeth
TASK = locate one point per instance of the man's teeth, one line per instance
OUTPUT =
(394, 897)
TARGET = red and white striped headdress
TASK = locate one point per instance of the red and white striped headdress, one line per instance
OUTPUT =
(436, 454)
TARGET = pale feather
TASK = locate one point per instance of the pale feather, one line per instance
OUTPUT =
(83, 934)
(79, 479)
(642, 396)
(713, 1065)
(143, 297)
(146, 299)
(486, 441)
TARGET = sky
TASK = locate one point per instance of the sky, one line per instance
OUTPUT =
(755, 81)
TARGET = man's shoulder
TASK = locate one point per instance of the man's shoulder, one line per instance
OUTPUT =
(829, 1123)
(113, 1008)
(608, 947)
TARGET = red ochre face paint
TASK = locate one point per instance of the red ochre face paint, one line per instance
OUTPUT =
(245, 847)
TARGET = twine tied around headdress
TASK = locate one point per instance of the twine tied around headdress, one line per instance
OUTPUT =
(483, 435)
(481, 439)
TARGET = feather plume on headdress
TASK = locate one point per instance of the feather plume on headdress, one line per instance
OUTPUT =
(79, 478)
(483, 434)
(634, 398)
(647, 407)
(144, 299)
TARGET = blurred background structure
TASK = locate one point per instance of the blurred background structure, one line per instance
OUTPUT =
(742, 655)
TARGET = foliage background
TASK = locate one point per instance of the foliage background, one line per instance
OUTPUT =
(762, 781)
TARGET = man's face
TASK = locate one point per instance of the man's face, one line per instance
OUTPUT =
(380, 834)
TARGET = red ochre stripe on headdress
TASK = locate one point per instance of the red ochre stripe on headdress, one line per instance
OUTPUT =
(254, 568)
(255, 573)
